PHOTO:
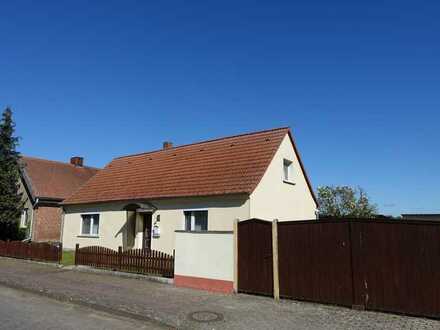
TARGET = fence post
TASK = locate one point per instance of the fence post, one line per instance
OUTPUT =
(276, 279)
(235, 242)
(76, 254)
(119, 257)
(60, 252)
(174, 261)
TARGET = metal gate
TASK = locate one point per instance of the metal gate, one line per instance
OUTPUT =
(255, 272)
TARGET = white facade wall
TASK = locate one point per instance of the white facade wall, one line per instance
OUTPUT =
(112, 226)
(222, 211)
(207, 255)
(275, 199)
(114, 231)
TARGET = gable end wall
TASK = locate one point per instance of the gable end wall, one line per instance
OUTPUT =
(274, 199)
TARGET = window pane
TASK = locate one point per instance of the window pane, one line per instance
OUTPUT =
(23, 222)
(95, 228)
(201, 220)
(26, 217)
(188, 221)
(86, 225)
(287, 165)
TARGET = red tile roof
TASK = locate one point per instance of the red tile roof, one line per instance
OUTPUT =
(51, 179)
(228, 165)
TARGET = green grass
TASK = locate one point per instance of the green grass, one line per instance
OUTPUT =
(68, 258)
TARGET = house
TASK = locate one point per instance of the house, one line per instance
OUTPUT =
(139, 201)
(421, 216)
(44, 185)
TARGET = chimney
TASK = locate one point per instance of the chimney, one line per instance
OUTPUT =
(167, 145)
(77, 161)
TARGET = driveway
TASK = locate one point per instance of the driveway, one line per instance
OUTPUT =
(190, 309)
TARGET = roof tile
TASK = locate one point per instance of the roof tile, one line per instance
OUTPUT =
(228, 165)
(53, 179)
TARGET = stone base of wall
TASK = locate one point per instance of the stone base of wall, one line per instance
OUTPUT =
(206, 284)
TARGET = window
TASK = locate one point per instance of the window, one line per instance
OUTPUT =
(90, 224)
(287, 170)
(24, 221)
(196, 220)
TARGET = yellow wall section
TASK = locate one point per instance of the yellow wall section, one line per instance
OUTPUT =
(113, 229)
(208, 255)
(274, 199)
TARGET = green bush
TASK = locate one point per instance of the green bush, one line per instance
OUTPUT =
(11, 231)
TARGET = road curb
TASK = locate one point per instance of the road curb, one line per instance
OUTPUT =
(45, 263)
(86, 269)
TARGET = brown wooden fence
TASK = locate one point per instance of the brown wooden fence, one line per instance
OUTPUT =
(315, 262)
(141, 261)
(385, 265)
(32, 251)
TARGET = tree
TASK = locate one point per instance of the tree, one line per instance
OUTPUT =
(11, 205)
(344, 201)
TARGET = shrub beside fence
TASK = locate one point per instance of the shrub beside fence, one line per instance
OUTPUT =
(32, 251)
(139, 261)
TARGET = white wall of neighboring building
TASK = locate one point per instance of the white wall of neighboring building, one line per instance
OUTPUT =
(275, 199)
(26, 199)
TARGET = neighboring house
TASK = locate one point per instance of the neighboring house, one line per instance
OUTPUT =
(45, 184)
(421, 216)
(139, 201)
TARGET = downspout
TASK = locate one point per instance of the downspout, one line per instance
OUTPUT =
(250, 209)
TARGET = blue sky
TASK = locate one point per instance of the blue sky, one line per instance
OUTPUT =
(358, 83)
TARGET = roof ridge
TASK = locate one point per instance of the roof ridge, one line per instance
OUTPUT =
(57, 162)
(206, 141)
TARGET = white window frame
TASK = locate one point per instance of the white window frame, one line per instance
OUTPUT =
(24, 218)
(289, 164)
(92, 222)
(193, 219)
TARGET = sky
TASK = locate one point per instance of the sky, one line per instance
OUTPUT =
(358, 82)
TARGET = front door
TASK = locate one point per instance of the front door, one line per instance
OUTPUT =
(146, 243)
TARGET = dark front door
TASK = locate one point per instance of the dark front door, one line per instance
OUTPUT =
(146, 243)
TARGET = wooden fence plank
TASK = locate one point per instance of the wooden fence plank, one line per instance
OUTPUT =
(32, 251)
(135, 261)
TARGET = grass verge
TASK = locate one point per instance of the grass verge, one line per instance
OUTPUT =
(68, 258)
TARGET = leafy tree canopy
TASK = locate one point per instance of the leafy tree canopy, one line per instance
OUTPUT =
(345, 201)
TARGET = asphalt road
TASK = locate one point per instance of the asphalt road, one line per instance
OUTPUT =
(22, 310)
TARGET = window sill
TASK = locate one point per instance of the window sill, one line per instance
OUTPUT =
(289, 182)
(88, 236)
(204, 231)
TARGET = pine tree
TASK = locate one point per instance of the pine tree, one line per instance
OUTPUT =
(11, 205)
